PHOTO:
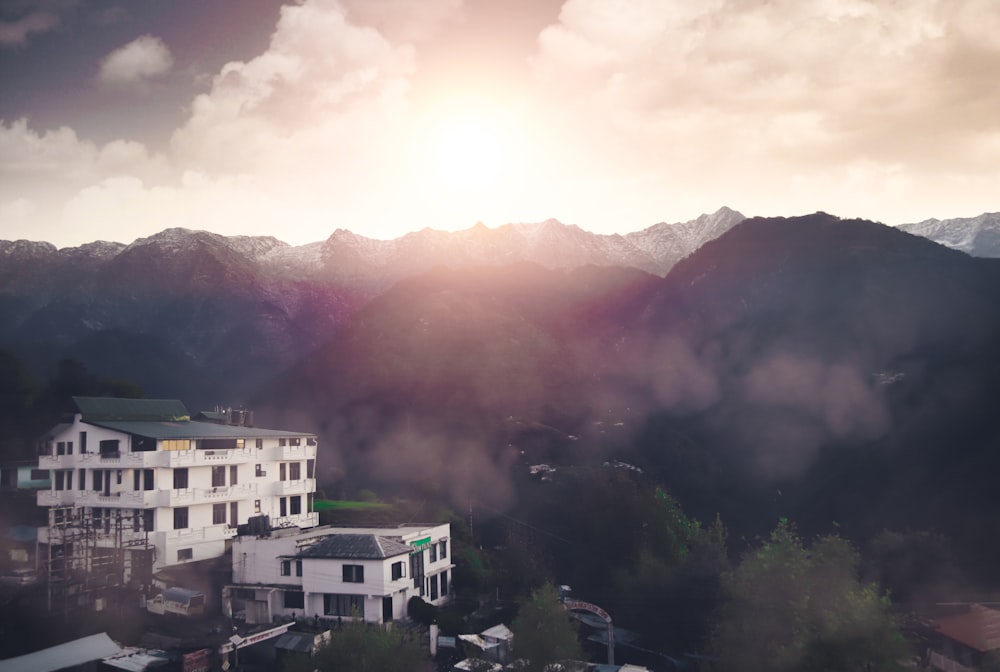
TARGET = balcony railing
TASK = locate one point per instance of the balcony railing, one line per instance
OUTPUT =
(300, 487)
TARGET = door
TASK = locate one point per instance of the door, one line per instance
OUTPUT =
(387, 609)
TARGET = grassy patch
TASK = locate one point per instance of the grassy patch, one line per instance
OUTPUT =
(342, 505)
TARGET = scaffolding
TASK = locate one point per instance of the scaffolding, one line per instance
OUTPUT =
(91, 560)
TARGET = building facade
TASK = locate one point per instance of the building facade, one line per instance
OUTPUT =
(333, 573)
(137, 485)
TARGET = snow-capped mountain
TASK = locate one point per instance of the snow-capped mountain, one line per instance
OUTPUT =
(977, 236)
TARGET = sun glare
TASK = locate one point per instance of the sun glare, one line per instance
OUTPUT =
(467, 146)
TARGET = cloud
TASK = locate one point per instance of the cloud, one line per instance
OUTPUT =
(143, 58)
(404, 20)
(740, 96)
(16, 33)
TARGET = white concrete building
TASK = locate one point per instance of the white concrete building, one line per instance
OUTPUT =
(338, 573)
(139, 485)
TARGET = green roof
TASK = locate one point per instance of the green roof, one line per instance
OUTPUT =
(108, 408)
(192, 429)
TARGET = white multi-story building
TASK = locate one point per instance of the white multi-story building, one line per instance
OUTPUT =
(139, 484)
(338, 572)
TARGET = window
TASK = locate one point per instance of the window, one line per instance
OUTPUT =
(295, 599)
(295, 505)
(310, 468)
(283, 507)
(83, 442)
(258, 471)
(218, 514)
(118, 478)
(256, 506)
(260, 443)
(434, 552)
(434, 587)
(176, 444)
(311, 441)
(444, 583)
(444, 549)
(81, 479)
(64, 480)
(69, 447)
(109, 448)
(185, 554)
(286, 567)
(282, 442)
(147, 519)
(295, 471)
(41, 475)
(180, 478)
(295, 442)
(343, 605)
(282, 476)
(234, 514)
(233, 474)
(218, 476)
(397, 570)
(354, 573)
(298, 568)
(181, 518)
(61, 448)
(241, 444)
(98, 480)
(147, 479)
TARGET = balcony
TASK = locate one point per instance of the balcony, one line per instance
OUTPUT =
(189, 496)
(289, 453)
(301, 487)
(303, 520)
(56, 497)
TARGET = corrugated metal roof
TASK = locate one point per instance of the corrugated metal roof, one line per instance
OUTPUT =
(108, 408)
(193, 429)
(355, 547)
(77, 652)
(296, 641)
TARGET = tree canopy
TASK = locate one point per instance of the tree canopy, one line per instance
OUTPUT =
(360, 647)
(788, 606)
(543, 631)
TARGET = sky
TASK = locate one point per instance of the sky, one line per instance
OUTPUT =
(120, 118)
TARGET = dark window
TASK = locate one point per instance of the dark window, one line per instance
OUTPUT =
(295, 599)
(298, 568)
(61, 448)
(181, 518)
(282, 472)
(260, 443)
(218, 477)
(98, 479)
(147, 479)
(295, 471)
(218, 514)
(185, 554)
(83, 442)
(147, 519)
(434, 587)
(109, 448)
(233, 473)
(282, 442)
(444, 550)
(295, 505)
(286, 567)
(258, 471)
(397, 570)
(180, 478)
(434, 552)
(41, 475)
(354, 573)
(311, 441)
(61, 481)
(310, 468)
(69, 447)
(234, 514)
(444, 584)
(82, 479)
(283, 507)
(344, 605)
(118, 477)
(295, 442)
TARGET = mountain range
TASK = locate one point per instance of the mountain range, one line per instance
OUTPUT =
(810, 367)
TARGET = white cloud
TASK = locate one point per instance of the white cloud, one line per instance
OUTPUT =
(141, 59)
(16, 33)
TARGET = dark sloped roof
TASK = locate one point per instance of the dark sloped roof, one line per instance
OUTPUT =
(192, 429)
(355, 547)
(107, 408)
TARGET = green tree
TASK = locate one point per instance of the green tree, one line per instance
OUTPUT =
(543, 631)
(789, 607)
(360, 647)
